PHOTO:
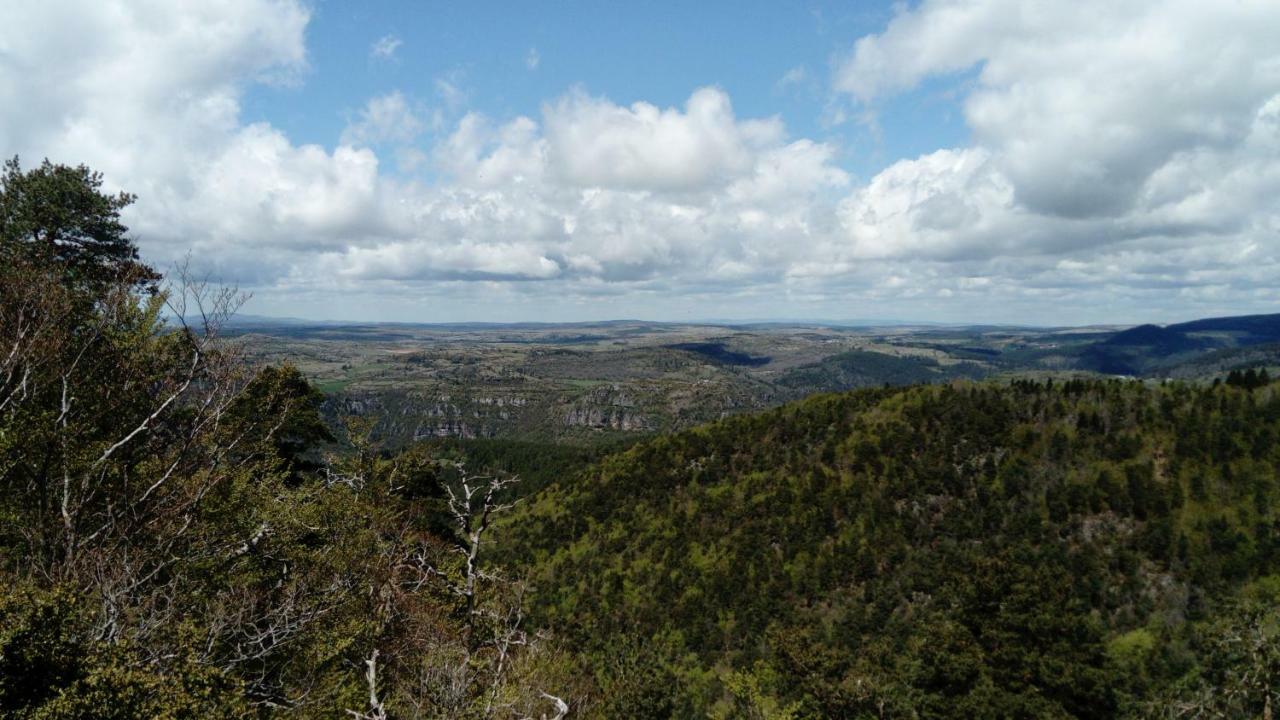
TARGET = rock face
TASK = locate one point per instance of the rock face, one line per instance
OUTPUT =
(451, 428)
(420, 416)
(610, 418)
(609, 407)
(355, 406)
(503, 401)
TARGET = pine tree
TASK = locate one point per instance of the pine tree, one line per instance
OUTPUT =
(58, 214)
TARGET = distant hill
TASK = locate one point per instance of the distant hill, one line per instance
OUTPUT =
(859, 368)
(1167, 340)
(1253, 328)
(240, 320)
(1147, 349)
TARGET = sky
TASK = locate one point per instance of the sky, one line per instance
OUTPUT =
(979, 161)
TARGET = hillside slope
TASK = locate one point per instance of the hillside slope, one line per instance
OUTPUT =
(1154, 349)
(969, 550)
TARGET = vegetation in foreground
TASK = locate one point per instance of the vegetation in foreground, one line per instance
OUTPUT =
(173, 541)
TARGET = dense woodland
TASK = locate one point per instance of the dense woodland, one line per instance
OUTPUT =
(1078, 549)
(183, 535)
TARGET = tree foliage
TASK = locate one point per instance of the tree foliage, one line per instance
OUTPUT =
(968, 550)
(179, 536)
(57, 217)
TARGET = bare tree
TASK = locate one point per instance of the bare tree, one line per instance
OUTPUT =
(377, 711)
(1242, 669)
(473, 673)
(113, 486)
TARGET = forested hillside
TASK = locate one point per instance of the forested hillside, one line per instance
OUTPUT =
(1078, 549)
(181, 537)
(1151, 349)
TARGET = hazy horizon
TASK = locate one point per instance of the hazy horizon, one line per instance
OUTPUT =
(834, 322)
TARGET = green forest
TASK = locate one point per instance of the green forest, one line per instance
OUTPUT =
(1033, 549)
(183, 534)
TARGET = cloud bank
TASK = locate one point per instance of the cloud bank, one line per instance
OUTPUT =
(1124, 163)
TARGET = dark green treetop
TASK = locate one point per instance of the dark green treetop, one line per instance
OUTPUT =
(59, 214)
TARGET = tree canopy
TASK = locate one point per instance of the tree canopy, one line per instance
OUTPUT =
(58, 214)
(1032, 549)
(181, 533)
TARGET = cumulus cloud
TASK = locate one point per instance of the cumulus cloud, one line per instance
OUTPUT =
(1105, 134)
(1122, 154)
(594, 142)
(535, 200)
(1081, 104)
(151, 97)
(616, 208)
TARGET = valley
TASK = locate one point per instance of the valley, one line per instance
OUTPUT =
(593, 383)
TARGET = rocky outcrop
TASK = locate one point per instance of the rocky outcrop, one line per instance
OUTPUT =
(503, 401)
(452, 428)
(607, 418)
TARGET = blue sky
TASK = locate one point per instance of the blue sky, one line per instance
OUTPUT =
(772, 58)
(1056, 162)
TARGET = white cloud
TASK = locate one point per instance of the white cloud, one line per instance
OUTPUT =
(1082, 103)
(793, 78)
(386, 118)
(1104, 132)
(385, 47)
(532, 59)
(614, 210)
(594, 142)
(938, 205)
(262, 187)
(478, 154)
(450, 91)
(151, 95)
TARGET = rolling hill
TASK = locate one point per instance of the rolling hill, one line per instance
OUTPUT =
(1151, 348)
(958, 550)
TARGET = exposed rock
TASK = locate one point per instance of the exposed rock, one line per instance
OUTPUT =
(607, 418)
